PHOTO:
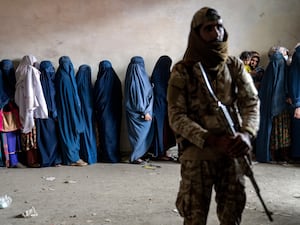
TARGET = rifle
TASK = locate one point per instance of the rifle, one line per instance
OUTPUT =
(244, 162)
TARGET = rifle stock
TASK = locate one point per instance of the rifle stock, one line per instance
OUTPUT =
(244, 162)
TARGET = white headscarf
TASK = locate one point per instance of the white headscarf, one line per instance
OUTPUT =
(29, 94)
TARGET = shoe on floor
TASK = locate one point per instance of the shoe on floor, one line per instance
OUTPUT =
(165, 158)
(80, 162)
(34, 165)
(138, 161)
(19, 165)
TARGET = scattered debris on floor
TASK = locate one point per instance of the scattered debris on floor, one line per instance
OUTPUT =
(175, 211)
(48, 189)
(70, 182)
(150, 166)
(49, 178)
(296, 195)
(28, 213)
(5, 201)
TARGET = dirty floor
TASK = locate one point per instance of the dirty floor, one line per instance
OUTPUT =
(126, 194)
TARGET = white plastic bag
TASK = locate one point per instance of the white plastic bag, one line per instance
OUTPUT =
(5, 201)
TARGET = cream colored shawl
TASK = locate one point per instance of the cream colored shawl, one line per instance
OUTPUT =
(29, 94)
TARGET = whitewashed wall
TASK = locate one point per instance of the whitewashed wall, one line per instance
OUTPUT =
(93, 30)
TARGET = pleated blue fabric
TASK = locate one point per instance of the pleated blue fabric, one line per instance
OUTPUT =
(68, 111)
(108, 108)
(4, 99)
(294, 91)
(47, 129)
(88, 146)
(272, 94)
(138, 102)
(9, 77)
(163, 135)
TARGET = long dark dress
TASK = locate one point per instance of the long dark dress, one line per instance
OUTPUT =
(164, 137)
(9, 77)
(108, 108)
(47, 129)
(138, 102)
(4, 99)
(68, 111)
(88, 147)
(272, 94)
(294, 90)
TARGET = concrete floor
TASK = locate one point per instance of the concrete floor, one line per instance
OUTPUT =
(125, 194)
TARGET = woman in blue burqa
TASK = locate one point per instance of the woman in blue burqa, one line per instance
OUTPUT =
(4, 99)
(69, 115)
(294, 91)
(139, 108)
(10, 141)
(273, 138)
(108, 108)
(88, 149)
(47, 129)
(164, 137)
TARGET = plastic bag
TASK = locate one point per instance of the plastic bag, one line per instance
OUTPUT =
(5, 201)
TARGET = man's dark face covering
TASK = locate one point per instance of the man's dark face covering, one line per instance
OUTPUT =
(212, 28)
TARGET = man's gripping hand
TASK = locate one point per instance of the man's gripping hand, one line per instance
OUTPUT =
(241, 145)
(233, 146)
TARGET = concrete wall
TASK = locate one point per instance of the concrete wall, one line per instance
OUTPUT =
(92, 30)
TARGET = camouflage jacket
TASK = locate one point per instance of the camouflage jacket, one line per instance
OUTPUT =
(191, 109)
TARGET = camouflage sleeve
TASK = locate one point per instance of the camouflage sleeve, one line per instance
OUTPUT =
(182, 125)
(247, 98)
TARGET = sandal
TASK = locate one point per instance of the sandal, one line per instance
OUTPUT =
(19, 165)
(138, 161)
(80, 162)
(34, 165)
(165, 158)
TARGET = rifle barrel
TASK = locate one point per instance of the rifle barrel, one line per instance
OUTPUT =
(249, 173)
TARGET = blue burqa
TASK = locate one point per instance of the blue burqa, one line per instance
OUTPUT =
(108, 108)
(88, 146)
(4, 99)
(163, 135)
(68, 111)
(294, 91)
(138, 101)
(272, 94)
(47, 129)
(7, 92)
(9, 77)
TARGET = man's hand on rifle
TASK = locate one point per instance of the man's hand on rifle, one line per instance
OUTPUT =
(241, 145)
(234, 146)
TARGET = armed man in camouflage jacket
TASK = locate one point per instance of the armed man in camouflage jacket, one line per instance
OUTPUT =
(207, 152)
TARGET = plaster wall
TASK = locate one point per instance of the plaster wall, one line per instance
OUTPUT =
(93, 30)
